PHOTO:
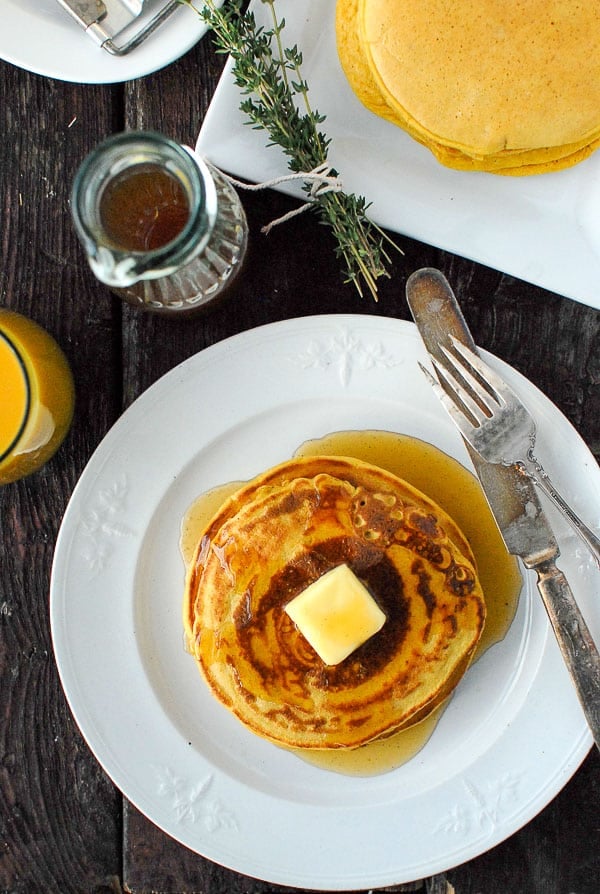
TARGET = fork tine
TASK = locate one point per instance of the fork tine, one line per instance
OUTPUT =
(457, 413)
(485, 398)
(457, 392)
(496, 386)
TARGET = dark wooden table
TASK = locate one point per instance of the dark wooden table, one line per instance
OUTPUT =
(63, 826)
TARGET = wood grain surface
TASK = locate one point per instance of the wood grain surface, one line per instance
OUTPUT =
(64, 828)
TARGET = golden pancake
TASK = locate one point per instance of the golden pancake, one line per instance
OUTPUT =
(514, 165)
(487, 77)
(283, 531)
(355, 65)
(480, 103)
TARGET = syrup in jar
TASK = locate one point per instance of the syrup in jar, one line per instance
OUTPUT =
(144, 208)
(160, 226)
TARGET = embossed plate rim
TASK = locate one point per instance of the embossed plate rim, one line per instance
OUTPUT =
(508, 773)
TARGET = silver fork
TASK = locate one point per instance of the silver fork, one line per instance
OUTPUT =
(496, 424)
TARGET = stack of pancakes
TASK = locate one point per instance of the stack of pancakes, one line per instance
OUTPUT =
(283, 531)
(509, 88)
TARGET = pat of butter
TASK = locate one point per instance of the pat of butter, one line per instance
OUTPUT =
(336, 614)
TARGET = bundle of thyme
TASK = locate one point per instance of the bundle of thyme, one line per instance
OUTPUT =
(276, 100)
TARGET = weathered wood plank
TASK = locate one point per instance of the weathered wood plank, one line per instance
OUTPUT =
(60, 818)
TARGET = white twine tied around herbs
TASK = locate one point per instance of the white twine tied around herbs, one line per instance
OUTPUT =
(321, 178)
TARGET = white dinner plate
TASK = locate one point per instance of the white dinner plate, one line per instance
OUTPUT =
(513, 733)
(544, 229)
(41, 36)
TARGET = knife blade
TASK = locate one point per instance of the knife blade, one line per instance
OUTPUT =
(514, 503)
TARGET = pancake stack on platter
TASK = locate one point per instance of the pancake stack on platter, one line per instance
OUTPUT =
(278, 535)
(508, 88)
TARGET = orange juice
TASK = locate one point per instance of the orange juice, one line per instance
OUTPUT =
(36, 396)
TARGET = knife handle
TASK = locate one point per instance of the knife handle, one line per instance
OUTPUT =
(575, 640)
(539, 476)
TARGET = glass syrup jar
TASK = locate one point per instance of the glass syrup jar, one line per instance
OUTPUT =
(160, 226)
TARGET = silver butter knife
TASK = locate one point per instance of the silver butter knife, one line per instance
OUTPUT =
(514, 503)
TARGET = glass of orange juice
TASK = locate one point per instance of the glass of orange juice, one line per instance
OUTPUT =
(36, 396)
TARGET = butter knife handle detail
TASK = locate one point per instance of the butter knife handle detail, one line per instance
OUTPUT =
(542, 479)
(575, 640)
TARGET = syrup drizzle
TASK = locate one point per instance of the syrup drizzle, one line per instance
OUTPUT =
(455, 489)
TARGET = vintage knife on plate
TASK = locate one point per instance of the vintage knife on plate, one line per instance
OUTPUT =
(515, 504)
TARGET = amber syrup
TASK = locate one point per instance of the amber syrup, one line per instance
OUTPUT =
(143, 209)
(457, 491)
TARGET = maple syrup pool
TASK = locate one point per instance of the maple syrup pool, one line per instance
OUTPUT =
(457, 491)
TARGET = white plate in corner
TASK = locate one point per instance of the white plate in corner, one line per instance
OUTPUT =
(543, 229)
(41, 36)
(509, 740)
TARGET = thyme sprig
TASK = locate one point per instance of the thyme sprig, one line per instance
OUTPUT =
(269, 75)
